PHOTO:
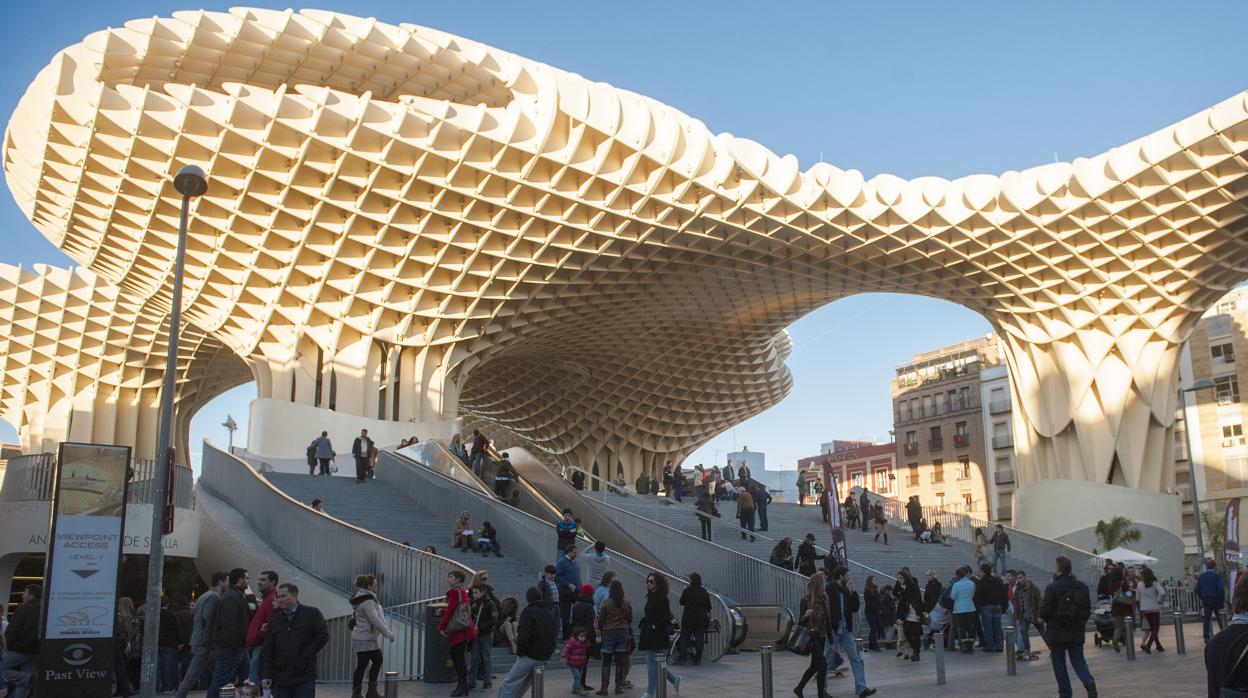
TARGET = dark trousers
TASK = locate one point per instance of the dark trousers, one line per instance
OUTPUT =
(362, 661)
(565, 612)
(818, 668)
(361, 468)
(762, 518)
(324, 465)
(500, 488)
(167, 669)
(227, 663)
(865, 520)
(1208, 611)
(119, 668)
(306, 689)
(914, 635)
(965, 625)
(747, 522)
(682, 643)
(459, 658)
(706, 526)
(874, 634)
(1058, 652)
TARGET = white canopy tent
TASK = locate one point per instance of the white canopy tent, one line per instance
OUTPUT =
(1128, 557)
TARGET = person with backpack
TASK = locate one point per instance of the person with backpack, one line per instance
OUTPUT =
(1065, 609)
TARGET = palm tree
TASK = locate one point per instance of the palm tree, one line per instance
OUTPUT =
(1118, 531)
(1215, 530)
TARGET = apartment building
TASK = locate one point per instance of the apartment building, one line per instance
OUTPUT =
(1216, 351)
(996, 406)
(939, 426)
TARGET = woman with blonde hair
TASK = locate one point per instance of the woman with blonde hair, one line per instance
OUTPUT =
(814, 610)
(367, 623)
(462, 533)
(457, 447)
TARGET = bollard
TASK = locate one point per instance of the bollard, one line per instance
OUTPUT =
(939, 637)
(392, 684)
(539, 681)
(660, 686)
(1130, 632)
(1180, 645)
(765, 653)
(1011, 660)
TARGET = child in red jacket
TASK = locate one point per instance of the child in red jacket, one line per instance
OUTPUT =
(576, 655)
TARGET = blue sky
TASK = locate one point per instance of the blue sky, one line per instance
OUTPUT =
(909, 88)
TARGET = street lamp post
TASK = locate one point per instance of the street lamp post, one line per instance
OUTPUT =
(190, 181)
(1201, 384)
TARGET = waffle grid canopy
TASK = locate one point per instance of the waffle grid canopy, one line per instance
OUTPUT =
(595, 271)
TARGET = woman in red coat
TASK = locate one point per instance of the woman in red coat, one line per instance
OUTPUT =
(455, 597)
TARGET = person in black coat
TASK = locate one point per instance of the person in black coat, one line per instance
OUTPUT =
(296, 635)
(1223, 651)
(228, 632)
(910, 610)
(1065, 609)
(654, 632)
(536, 635)
(932, 592)
(694, 619)
(806, 556)
(873, 604)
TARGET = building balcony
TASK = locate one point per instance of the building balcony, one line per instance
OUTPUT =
(964, 475)
(935, 443)
(999, 406)
(912, 448)
(961, 440)
(1002, 440)
(1004, 477)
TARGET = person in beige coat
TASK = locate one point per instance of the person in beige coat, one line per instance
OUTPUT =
(367, 623)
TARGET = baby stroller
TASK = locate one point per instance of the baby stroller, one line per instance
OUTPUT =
(1104, 621)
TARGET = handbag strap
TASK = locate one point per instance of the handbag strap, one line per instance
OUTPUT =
(1235, 666)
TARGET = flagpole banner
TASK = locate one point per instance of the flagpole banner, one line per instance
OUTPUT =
(1230, 542)
(837, 551)
(80, 575)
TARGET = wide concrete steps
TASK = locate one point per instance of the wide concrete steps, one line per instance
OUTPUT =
(380, 508)
(795, 521)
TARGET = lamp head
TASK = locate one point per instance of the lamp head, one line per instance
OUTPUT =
(1202, 384)
(190, 181)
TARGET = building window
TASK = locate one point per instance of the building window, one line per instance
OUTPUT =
(912, 475)
(903, 411)
(964, 397)
(927, 407)
(1232, 435)
(912, 443)
(1005, 473)
(938, 471)
(857, 479)
(940, 499)
(951, 399)
(1227, 389)
(967, 502)
(964, 468)
(320, 376)
(881, 481)
(960, 435)
(1223, 352)
(936, 443)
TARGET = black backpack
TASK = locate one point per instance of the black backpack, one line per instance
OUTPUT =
(312, 453)
(1068, 610)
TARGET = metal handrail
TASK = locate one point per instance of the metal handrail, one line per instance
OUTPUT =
(1027, 547)
(724, 526)
(533, 538)
(28, 478)
(333, 552)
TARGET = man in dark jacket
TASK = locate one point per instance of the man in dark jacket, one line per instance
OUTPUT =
(761, 499)
(362, 451)
(1212, 593)
(21, 641)
(694, 619)
(864, 508)
(295, 636)
(535, 641)
(1065, 610)
(167, 652)
(1224, 650)
(806, 556)
(201, 632)
(842, 605)
(991, 597)
(228, 635)
(932, 592)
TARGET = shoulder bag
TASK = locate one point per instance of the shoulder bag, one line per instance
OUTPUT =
(800, 644)
(460, 619)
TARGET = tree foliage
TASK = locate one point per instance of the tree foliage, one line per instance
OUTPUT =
(1117, 532)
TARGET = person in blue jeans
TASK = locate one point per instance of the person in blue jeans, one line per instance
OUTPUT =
(842, 604)
(1000, 546)
(1065, 610)
(991, 598)
(1212, 593)
(228, 633)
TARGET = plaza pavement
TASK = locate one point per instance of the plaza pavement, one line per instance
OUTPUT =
(1164, 675)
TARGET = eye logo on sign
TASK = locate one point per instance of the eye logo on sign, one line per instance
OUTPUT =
(77, 654)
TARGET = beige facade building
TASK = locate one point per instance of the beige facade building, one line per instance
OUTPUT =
(938, 428)
(1217, 351)
(405, 228)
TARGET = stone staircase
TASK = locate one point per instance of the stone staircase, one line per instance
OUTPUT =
(378, 507)
(785, 519)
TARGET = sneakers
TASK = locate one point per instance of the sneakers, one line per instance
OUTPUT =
(677, 683)
(579, 691)
(866, 692)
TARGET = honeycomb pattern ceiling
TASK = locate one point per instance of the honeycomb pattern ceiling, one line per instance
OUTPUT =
(592, 269)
